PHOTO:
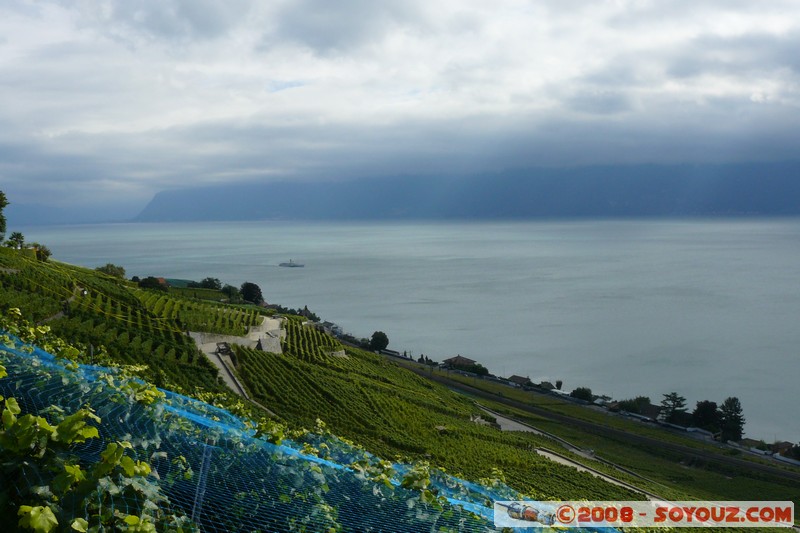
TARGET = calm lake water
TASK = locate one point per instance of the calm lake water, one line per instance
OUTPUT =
(705, 308)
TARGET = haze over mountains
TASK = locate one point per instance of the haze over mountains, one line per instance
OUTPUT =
(612, 191)
(109, 107)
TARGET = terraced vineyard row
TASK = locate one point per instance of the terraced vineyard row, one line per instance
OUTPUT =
(26, 285)
(104, 312)
(307, 342)
(394, 412)
(199, 316)
(174, 362)
(412, 418)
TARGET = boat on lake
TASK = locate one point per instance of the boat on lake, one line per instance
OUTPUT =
(292, 264)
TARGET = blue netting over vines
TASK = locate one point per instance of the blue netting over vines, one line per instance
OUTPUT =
(214, 470)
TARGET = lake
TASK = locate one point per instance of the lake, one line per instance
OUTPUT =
(707, 308)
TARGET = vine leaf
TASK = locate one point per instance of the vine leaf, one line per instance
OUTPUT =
(40, 519)
(80, 524)
(74, 429)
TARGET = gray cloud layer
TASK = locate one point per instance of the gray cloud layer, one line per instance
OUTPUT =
(113, 101)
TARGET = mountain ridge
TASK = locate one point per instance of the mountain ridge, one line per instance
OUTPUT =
(757, 189)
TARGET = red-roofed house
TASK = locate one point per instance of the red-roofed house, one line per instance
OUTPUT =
(459, 361)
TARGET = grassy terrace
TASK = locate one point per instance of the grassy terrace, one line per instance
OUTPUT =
(672, 476)
(552, 403)
(669, 473)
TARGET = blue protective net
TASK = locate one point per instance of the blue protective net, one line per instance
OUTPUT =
(214, 470)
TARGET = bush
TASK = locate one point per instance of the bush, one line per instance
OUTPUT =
(582, 393)
(112, 270)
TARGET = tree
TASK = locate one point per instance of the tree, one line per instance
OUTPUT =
(673, 404)
(251, 292)
(706, 416)
(582, 393)
(477, 368)
(42, 252)
(16, 241)
(731, 420)
(231, 292)
(3, 204)
(794, 452)
(379, 341)
(151, 282)
(306, 312)
(112, 270)
(211, 283)
(635, 405)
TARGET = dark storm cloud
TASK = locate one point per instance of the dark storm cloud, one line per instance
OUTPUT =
(470, 144)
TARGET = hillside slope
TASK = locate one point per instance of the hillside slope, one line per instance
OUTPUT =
(361, 396)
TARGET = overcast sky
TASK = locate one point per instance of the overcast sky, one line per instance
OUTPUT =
(111, 101)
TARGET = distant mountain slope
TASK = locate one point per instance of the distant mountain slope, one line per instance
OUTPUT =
(612, 191)
(21, 214)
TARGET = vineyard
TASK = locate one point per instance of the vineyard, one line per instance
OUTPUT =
(393, 413)
(107, 314)
(363, 397)
(146, 460)
(194, 315)
(308, 343)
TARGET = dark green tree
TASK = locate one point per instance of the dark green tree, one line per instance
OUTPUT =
(673, 405)
(706, 415)
(151, 282)
(251, 292)
(112, 270)
(379, 341)
(794, 452)
(3, 204)
(42, 252)
(211, 283)
(635, 405)
(582, 393)
(731, 420)
(231, 292)
(477, 368)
